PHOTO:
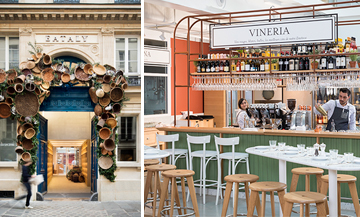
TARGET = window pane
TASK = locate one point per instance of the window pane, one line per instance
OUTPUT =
(2, 43)
(156, 69)
(155, 97)
(127, 139)
(132, 43)
(7, 140)
(2, 65)
(13, 52)
(120, 44)
(133, 67)
(120, 55)
(120, 65)
(13, 43)
(2, 51)
(132, 55)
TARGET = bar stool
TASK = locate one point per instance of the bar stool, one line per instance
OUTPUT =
(205, 157)
(304, 197)
(264, 187)
(307, 171)
(172, 175)
(342, 178)
(153, 170)
(234, 159)
(150, 162)
(237, 178)
(175, 153)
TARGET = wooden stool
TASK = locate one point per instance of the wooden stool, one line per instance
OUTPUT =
(237, 178)
(264, 187)
(307, 171)
(154, 170)
(172, 175)
(150, 162)
(304, 197)
(342, 178)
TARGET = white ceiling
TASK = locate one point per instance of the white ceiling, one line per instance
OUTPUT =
(66, 143)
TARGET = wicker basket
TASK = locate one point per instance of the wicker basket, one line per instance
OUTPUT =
(29, 133)
(36, 70)
(104, 133)
(124, 86)
(19, 150)
(3, 76)
(98, 110)
(107, 78)
(81, 75)
(109, 145)
(116, 94)
(104, 116)
(47, 60)
(106, 88)
(26, 72)
(105, 100)
(5, 110)
(19, 88)
(27, 104)
(30, 87)
(92, 93)
(65, 78)
(12, 74)
(105, 162)
(99, 69)
(10, 90)
(101, 123)
(111, 122)
(57, 75)
(48, 74)
(100, 93)
(86, 69)
(20, 79)
(116, 108)
(104, 151)
(27, 144)
(26, 156)
(23, 128)
(9, 101)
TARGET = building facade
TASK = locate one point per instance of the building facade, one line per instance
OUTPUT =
(104, 32)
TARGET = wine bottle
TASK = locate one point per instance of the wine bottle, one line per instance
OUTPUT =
(306, 63)
(217, 66)
(198, 66)
(291, 64)
(243, 65)
(281, 62)
(238, 66)
(212, 68)
(203, 64)
(323, 62)
(262, 63)
(296, 64)
(301, 64)
(343, 62)
(227, 66)
(221, 65)
(330, 62)
(338, 62)
(247, 64)
(286, 62)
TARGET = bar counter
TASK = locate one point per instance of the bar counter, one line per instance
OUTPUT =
(267, 169)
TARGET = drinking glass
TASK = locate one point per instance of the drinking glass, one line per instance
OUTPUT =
(272, 144)
(301, 148)
(282, 146)
(310, 151)
(333, 154)
(349, 157)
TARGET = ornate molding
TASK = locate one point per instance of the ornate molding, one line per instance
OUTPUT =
(107, 30)
(25, 31)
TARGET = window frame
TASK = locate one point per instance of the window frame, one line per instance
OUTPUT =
(13, 164)
(7, 49)
(137, 162)
(126, 70)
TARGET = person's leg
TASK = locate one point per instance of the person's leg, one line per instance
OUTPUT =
(28, 188)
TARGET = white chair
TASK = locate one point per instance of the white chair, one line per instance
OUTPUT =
(234, 159)
(175, 153)
(205, 156)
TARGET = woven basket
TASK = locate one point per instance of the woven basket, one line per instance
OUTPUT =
(81, 75)
(36, 70)
(86, 69)
(45, 85)
(26, 156)
(100, 93)
(124, 86)
(116, 108)
(111, 115)
(105, 162)
(104, 116)
(101, 123)
(107, 78)
(110, 153)
(99, 69)
(9, 101)
(27, 144)
(119, 72)
(48, 74)
(5, 110)
(27, 104)
(104, 133)
(26, 72)
(109, 144)
(111, 122)
(102, 145)
(29, 133)
(30, 87)
(98, 110)
(104, 151)
(19, 150)
(106, 88)
(110, 67)
(57, 75)
(10, 90)
(92, 93)
(116, 94)
(37, 90)
(12, 74)
(19, 88)
(105, 100)
(47, 59)
(113, 85)
(23, 128)
(3, 76)
(65, 78)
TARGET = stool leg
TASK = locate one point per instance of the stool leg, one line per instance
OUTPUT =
(301, 210)
(247, 166)
(339, 198)
(156, 180)
(191, 187)
(177, 199)
(147, 185)
(281, 200)
(163, 195)
(263, 203)
(201, 176)
(307, 210)
(183, 192)
(254, 196)
(236, 196)
(204, 179)
(318, 182)
(307, 182)
(354, 196)
(294, 181)
(218, 183)
(247, 194)
(272, 203)
(173, 182)
(321, 209)
(226, 198)
(288, 208)
(324, 190)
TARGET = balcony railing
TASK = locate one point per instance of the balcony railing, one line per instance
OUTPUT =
(127, 1)
(134, 81)
(67, 1)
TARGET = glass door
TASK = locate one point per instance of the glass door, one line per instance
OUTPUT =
(66, 159)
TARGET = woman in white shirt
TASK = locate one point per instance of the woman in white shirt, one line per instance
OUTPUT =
(243, 113)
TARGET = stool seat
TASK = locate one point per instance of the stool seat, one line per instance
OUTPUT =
(241, 178)
(161, 167)
(341, 178)
(307, 170)
(267, 186)
(305, 197)
(150, 162)
(178, 173)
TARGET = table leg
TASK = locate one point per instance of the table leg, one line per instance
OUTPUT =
(282, 176)
(333, 193)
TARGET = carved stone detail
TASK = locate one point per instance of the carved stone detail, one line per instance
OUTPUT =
(94, 49)
(107, 30)
(25, 31)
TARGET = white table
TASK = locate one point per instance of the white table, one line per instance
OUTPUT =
(160, 154)
(308, 160)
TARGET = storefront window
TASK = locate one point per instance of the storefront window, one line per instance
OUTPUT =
(127, 138)
(127, 55)
(7, 140)
(9, 52)
(155, 90)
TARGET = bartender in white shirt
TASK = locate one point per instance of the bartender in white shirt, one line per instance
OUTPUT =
(242, 113)
(342, 112)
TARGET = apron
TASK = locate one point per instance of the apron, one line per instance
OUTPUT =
(341, 119)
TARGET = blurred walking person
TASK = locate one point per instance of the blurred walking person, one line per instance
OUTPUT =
(25, 180)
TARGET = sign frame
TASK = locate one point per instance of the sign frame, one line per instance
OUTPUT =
(276, 44)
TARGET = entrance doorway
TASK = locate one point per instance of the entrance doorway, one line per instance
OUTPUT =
(66, 159)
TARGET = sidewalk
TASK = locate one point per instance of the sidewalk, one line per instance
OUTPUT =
(10, 208)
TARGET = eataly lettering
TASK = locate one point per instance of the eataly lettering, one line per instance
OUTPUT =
(66, 39)
(269, 31)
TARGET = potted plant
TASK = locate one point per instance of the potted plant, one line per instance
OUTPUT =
(358, 61)
(275, 64)
(353, 59)
(314, 64)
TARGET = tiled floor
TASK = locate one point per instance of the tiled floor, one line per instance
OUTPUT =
(60, 184)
